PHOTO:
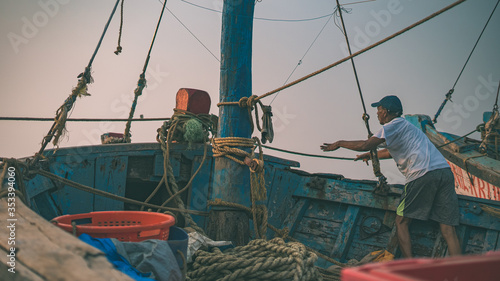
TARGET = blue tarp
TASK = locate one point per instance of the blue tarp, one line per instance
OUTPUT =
(146, 260)
(118, 261)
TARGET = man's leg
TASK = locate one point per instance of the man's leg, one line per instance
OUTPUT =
(402, 226)
(451, 238)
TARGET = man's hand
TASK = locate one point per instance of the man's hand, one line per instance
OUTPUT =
(330, 146)
(365, 157)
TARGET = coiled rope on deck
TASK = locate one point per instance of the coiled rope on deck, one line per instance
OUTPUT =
(259, 260)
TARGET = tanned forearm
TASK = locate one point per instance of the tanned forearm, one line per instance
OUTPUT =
(354, 145)
(383, 154)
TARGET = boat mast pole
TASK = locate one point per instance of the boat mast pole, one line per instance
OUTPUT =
(231, 182)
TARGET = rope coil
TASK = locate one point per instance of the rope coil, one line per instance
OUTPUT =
(259, 260)
(228, 147)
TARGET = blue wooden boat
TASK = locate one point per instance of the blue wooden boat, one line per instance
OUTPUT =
(339, 218)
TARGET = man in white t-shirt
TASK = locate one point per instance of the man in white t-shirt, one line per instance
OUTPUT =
(429, 192)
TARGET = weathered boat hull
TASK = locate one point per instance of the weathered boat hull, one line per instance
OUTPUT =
(340, 218)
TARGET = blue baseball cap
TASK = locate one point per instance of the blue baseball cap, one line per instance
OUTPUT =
(391, 103)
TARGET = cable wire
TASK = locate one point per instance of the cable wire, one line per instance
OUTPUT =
(450, 92)
(306, 154)
(81, 119)
(307, 51)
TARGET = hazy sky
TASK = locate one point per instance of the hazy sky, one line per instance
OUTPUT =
(45, 44)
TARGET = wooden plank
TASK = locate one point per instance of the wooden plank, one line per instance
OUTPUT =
(50, 253)
(491, 241)
(280, 201)
(44, 206)
(319, 228)
(295, 215)
(352, 193)
(110, 176)
(68, 199)
(21, 272)
(471, 214)
(345, 234)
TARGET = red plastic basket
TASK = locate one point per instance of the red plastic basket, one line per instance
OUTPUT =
(462, 268)
(123, 225)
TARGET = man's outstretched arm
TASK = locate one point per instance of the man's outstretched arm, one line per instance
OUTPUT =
(365, 145)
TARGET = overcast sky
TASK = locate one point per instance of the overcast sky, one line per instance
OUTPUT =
(45, 44)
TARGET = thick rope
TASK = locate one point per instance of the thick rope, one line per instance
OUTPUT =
(361, 51)
(227, 147)
(141, 84)
(491, 210)
(250, 104)
(19, 192)
(168, 133)
(450, 92)
(119, 47)
(259, 260)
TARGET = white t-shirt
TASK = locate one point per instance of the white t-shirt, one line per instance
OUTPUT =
(413, 152)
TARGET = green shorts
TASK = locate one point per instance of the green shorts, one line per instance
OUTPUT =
(431, 196)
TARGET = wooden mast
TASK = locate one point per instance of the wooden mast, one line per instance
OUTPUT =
(231, 181)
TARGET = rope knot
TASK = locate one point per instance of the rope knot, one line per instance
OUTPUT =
(248, 102)
(366, 117)
(118, 50)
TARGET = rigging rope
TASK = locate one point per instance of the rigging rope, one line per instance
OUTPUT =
(491, 128)
(307, 51)
(450, 92)
(457, 139)
(228, 147)
(141, 84)
(169, 132)
(58, 128)
(361, 51)
(382, 187)
(305, 154)
(82, 119)
(119, 47)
